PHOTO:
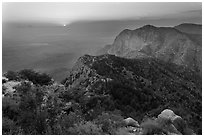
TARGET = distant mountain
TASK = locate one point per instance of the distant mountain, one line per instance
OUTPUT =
(138, 87)
(190, 28)
(194, 31)
(164, 43)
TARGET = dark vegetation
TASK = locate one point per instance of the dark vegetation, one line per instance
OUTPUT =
(99, 93)
(30, 75)
(142, 87)
(43, 109)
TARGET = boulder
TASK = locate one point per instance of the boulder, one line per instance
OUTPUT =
(179, 123)
(171, 129)
(172, 122)
(167, 114)
(131, 122)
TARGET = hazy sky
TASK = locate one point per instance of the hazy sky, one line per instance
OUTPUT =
(66, 13)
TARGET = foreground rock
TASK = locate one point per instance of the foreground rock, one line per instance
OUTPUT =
(167, 123)
(173, 123)
(131, 122)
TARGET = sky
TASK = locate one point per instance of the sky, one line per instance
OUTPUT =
(67, 13)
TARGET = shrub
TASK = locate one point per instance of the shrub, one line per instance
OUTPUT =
(122, 131)
(86, 128)
(8, 126)
(32, 119)
(188, 131)
(11, 75)
(35, 77)
(10, 108)
(110, 121)
(70, 119)
(151, 127)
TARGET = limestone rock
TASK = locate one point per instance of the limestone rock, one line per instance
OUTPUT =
(131, 122)
(179, 123)
(167, 114)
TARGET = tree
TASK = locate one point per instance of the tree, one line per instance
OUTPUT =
(11, 75)
(35, 77)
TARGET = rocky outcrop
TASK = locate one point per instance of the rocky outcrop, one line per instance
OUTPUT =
(167, 114)
(167, 123)
(131, 122)
(165, 43)
(173, 123)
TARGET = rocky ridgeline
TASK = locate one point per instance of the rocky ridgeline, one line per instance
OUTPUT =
(95, 86)
(180, 45)
(147, 86)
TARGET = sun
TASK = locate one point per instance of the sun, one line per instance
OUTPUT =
(64, 25)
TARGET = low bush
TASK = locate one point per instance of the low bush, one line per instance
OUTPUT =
(11, 75)
(151, 127)
(86, 128)
(8, 126)
(110, 122)
(35, 77)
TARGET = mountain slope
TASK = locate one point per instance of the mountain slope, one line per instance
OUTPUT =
(167, 44)
(137, 87)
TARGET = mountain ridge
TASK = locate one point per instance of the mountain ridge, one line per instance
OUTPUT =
(142, 80)
(165, 43)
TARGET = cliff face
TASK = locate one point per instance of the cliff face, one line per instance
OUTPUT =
(138, 86)
(167, 44)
